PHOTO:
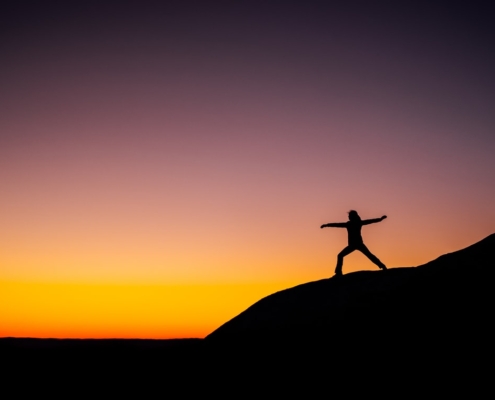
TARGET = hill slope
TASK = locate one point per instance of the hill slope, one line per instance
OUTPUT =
(449, 297)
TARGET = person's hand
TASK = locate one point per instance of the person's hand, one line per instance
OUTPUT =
(323, 226)
(383, 217)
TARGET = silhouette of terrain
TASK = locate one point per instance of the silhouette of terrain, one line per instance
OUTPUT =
(448, 298)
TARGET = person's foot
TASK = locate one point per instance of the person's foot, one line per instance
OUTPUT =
(338, 273)
(383, 267)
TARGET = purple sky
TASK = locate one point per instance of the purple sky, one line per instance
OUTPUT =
(197, 136)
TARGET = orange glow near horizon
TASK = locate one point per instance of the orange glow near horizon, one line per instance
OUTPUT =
(47, 310)
(60, 309)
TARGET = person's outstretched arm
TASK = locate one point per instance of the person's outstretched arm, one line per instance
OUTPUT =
(373, 221)
(334, 225)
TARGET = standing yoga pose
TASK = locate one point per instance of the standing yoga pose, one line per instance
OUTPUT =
(355, 241)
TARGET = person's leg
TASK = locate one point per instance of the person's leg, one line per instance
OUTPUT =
(363, 249)
(340, 259)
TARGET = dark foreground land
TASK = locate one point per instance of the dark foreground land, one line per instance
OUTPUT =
(435, 317)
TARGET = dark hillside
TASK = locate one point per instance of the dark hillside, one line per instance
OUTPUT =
(448, 298)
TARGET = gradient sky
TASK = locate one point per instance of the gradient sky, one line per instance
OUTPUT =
(163, 165)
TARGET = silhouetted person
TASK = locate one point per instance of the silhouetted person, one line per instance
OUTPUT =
(355, 241)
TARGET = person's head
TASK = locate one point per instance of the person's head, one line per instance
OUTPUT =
(354, 216)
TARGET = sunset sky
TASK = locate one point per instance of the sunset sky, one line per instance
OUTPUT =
(164, 165)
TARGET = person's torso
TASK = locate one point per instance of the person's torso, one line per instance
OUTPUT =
(354, 233)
